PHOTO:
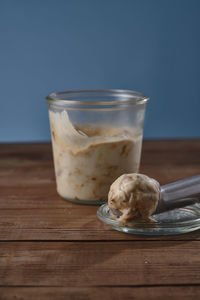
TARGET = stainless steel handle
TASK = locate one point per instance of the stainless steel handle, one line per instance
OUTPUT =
(179, 194)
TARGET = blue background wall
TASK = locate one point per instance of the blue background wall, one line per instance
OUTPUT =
(151, 46)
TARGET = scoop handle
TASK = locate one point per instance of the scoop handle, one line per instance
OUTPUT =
(179, 194)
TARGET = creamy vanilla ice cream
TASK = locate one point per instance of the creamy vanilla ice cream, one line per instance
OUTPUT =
(133, 196)
(88, 158)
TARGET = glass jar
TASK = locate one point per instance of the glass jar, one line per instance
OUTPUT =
(96, 137)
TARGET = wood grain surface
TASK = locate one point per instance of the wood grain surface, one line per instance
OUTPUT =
(99, 263)
(53, 249)
(106, 293)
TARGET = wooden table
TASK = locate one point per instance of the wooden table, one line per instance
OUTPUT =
(53, 249)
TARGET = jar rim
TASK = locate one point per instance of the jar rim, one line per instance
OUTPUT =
(117, 97)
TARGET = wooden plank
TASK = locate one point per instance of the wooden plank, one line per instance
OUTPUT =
(164, 160)
(99, 263)
(30, 165)
(78, 222)
(170, 160)
(107, 293)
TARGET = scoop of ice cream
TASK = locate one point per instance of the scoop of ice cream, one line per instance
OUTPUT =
(134, 196)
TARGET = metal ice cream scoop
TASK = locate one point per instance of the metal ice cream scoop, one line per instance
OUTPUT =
(178, 194)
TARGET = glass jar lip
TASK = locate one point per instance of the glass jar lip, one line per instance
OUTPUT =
(125, 97)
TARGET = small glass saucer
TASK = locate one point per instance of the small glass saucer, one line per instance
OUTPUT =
(177, 221)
